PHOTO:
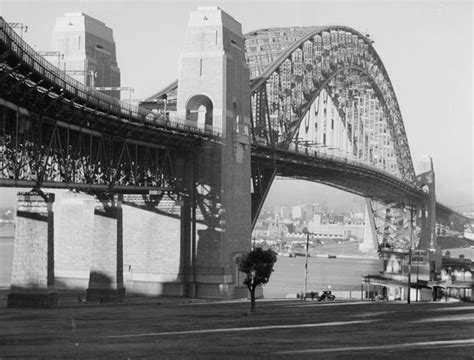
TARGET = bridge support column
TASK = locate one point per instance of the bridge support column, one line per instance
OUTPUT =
(370, 241)
(73, 234)
(106, 274)
(152, 260)
(187, 169)
(214, 91)
(427, 210)
(33, 261)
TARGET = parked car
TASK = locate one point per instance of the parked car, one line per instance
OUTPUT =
(327, 296)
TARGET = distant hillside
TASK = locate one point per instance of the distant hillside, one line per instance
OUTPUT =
(452, 242)
(344, 248)
(7, 231)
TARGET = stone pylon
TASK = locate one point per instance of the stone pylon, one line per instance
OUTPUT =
(214, 93)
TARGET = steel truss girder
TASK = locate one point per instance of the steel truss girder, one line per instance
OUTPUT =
(394, 225)
(40, 102)
(262, 179)
(21, 63)
(363, 181)
(42, 150)
(402, 154)
(208, 205)
(295, 68)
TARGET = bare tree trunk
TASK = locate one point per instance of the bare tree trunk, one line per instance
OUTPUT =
(252, 299)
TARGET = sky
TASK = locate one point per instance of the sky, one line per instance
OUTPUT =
(426, 47)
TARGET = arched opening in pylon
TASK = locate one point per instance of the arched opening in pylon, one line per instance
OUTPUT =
(199, 109)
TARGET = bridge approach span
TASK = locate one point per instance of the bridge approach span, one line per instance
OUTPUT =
(58, 133)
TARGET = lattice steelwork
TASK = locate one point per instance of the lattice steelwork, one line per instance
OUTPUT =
(40, 151)
(57, 132)
(299, 68)
(393, 226)
(324, 109)
(325, 91)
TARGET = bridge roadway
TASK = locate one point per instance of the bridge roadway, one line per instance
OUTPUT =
(34, 87)
(345, 174)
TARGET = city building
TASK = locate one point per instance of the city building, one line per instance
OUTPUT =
(285, 212)
(270, 228)
(340, 228)
(297, 212)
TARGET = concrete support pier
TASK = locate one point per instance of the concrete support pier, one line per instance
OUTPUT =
(33, 260)
(106, 274)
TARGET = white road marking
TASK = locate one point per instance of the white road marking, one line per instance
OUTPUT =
(253, 328)
(469, 317)
(325, 303)
(460, 308)
(381, 347)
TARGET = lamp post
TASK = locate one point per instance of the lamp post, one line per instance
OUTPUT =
(417, 275)
(409, 258)
(409, 275)
(305, 230)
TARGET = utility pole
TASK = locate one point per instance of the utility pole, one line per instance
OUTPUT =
(412, 220)
(19, 25)
(409, 255)
(118, 88)
(305, 230)
(92, 74)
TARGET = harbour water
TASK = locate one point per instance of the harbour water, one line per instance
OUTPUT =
(6, 257)
(339, 273)
(287, 278)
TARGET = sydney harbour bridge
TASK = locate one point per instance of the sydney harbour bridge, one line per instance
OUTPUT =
(165, 194)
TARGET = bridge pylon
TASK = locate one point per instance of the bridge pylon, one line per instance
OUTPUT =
(214, 92)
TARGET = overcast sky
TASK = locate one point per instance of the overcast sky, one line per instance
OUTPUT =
(426, 47)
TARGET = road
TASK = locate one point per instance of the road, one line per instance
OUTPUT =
(194, 329)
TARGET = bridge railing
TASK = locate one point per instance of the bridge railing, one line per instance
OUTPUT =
(171, 118)
(330, 157)
(77, 91)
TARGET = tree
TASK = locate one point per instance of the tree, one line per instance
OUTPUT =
(257, 264)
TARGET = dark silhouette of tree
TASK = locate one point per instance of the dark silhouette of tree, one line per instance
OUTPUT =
(257, 264)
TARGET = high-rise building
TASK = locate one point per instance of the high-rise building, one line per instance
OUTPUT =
(297, 212)
(87, 51)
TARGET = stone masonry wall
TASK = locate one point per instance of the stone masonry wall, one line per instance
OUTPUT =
(33, 259)
(74, 231)
(152, 251)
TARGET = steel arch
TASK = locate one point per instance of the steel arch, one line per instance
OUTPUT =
(340, 48)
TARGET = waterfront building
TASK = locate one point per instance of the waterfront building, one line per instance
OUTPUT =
(270, 228)
(340, 228)
(424, 275)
